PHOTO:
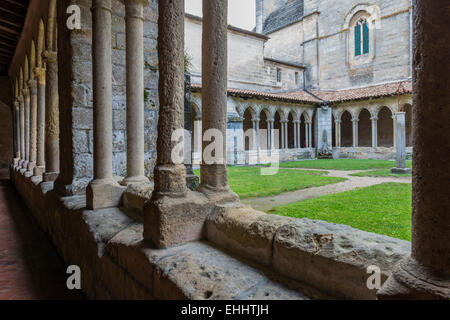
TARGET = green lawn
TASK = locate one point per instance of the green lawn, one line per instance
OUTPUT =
(381, 173)
(342, 164)
(383, 209)
(248, 182)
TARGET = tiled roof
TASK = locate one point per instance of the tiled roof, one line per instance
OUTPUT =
(376, 91)
(284, 16)
(299, 97)
(319, 96)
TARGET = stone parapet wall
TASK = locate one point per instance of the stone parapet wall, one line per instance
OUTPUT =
(380, 153)
(115, 262)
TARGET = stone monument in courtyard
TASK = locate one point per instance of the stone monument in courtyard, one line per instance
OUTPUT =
(401, 145)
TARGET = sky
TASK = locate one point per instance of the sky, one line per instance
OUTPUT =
(241, 13)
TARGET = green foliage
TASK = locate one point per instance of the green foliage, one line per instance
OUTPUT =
(187, 62)
(248, 182)
(384, 209)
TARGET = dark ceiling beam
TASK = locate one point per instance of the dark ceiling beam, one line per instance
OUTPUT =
(18, 3)
(11, 19)
(13, 9)
(9, 29)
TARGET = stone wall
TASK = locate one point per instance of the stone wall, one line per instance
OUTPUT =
(76, 101)
(320, 41)
(6, 123)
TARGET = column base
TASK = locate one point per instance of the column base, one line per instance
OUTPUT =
(25, 164)
(134, 180)
(50, 176)
(20, 164)
(401, 170)
(30, 166)
(412, 281)
(39, 171)
(171, 221)
(104, 193)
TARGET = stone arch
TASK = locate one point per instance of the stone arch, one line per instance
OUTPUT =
(247, 125)
(365, 128)
(346, 129)
(385, 128)
(408, 125)
(291, 131)
(304, 116)
(277, 127)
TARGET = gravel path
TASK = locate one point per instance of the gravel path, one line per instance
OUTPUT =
(267, 203)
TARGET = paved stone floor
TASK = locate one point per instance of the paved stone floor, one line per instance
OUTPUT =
(30, 269)
(267, 203)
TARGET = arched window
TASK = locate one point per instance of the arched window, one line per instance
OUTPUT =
(362, 37)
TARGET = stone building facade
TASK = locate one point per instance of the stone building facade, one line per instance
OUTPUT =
(364, 78)
(136, 240)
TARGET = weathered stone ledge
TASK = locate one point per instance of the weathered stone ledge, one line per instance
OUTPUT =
(117, 264)
(331, 257)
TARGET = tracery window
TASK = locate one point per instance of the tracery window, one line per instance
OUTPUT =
(362, 37)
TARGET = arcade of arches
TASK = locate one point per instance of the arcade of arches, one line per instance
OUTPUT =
(93, 161)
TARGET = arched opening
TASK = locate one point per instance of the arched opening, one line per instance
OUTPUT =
(277, 126)
(291, 132)
(364, 129)
(247, 126)
(313, 130)
(385, 128)
(346, 130)
(303, 131)
(408, 125)
(263, 130)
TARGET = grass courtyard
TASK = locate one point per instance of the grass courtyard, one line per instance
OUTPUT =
(342, 164)
(248, 182)
(384, 209)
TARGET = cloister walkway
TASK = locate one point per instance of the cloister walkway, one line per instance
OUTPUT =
(30, 269)
(352, 182)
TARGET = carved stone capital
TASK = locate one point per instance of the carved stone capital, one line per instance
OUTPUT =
(39, 73)
(50, 56)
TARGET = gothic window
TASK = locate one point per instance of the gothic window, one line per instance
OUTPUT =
(278, 75)
(361, 37)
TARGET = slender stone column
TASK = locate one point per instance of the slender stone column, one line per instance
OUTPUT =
(286, 135)
(135, 88)
(40, 131)
(283, 134)
(51, 116)
(22, 129)
(17, 131)
(374, 132)
(355, 132)
(103, 191)
(337, 125)
(309, 129)
(306, 134)
(296, 132)
(426, 274)
(32, 85)
(26, 99)
(401, 145)
(214, 94)
(394, 134)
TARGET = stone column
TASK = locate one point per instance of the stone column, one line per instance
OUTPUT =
(374, 132)
(175, 214)
(40, 131)
(401, 145)
(309, 125)
(283, 134)
(306, 134)
(394, 131)
(26, 99)
(337, 124)
(135, 88)
(355, 132)
(296, 130)
(22, 129)
(17, 131)
(51, 116)
(32, 85)
(286, 135)
(426, 274)
(103, 191)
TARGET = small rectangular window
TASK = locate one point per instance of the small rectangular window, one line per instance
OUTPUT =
(278, 75)
(296, 78)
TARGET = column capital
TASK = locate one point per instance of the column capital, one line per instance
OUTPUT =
(297, 121)
(256, 119)
(374, 118)
(50, 56)
(308, 121)
(20, 98)
(134, 9)
(101, 5)
(39, 73)
(32, 85)
(16, 103)
(25, 93)
(355, 120)
(338, 121)
(284, 121)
